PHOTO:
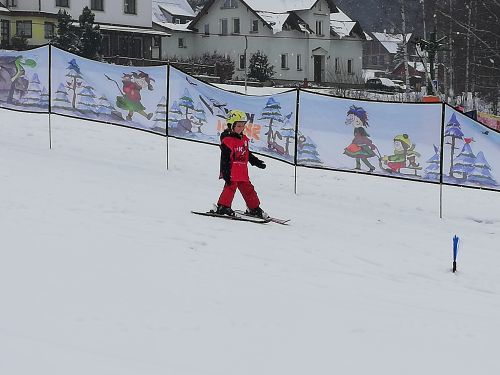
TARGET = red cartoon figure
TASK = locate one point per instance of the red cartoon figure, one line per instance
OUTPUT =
(130, 100)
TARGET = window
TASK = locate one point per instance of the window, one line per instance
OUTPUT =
(223, 26)
(207, 29)
(299, 62)
(105, 45)
(255, 26)
(230, 4)
(5, 31)
(337, 65)
(129, 7)
(349, 66)
(284, 61)
(319, 28)
(177, 21)
(156, 40)
(374, 60)
(130, 47)
(182, 43)
(49, 30)
(62, 3)
(97, 5)
(319, 6)
(24, 28)
(236, 25)
(242, 62)
(12, 3)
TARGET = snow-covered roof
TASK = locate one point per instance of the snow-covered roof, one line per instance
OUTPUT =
(3, 8)
(341, 24)
(275, 20)
(280, 6)
(128, 29)
(175, 26)
(391, 41)
(175, 7)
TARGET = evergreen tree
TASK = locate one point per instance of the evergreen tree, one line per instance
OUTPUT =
(453, 131)
(61, 99)
(174, 114)
(481, 173)
(307, 151)
(200, 117)
(104, 107)
(399, 57)
(90, 35)
(259, 67)
(75, 79)
(44, 100)
(86, 100)
(464, 162)
(271, 112)
(433, 170)
(34, 93)
(160, 115)
(187, 102)
(67, 35)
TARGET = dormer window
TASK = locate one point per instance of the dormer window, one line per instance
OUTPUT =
(255, 26)
(230, 4)
(319, 28)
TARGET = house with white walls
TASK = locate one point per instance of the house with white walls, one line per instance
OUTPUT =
(303, 39)
(126, 25)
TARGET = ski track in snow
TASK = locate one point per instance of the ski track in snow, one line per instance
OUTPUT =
(104, 269)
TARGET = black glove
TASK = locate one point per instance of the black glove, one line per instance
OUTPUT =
(260, 164)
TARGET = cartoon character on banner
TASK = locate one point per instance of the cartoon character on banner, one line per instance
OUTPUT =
(130, 99)
(404, 155)
(361, 147)
(12, 77)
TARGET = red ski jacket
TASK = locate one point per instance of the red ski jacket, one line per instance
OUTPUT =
(235, 155)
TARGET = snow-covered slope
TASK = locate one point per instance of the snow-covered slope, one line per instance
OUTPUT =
(104, 270)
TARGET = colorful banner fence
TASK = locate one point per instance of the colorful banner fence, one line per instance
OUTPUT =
(429, 142)
(24, 80)
(197, 111)
(121, 95)
(380, 138)
(471, 152)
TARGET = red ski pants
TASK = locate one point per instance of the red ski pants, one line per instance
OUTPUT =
(247, 191)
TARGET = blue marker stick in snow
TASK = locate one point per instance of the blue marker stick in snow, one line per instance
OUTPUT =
(455, 252)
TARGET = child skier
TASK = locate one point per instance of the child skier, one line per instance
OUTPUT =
(235, 155)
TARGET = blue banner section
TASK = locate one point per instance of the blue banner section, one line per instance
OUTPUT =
(24, 80)
(122, 95)
(398, 140)
(197, 111)
(471, 153)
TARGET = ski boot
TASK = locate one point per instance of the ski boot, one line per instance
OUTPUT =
(224, 210)
(257, 212)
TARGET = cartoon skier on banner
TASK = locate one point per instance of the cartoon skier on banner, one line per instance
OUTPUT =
(361, 147)
(130, 100)
(12, 76)
(404, 155)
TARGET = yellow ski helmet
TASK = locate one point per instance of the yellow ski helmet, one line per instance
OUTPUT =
(235, 115)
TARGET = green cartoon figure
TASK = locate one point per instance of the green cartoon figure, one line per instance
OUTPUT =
(12, 77)
(404, 155)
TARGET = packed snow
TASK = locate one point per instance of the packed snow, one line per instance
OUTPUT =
(104, 270)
